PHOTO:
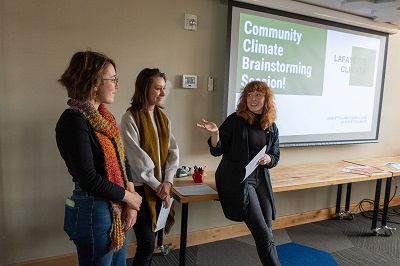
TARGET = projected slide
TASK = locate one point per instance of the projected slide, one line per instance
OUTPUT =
(327, 80)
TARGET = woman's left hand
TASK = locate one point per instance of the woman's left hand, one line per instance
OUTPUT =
(163, 191)
(265, 160)
(128, 216)
(167, 201)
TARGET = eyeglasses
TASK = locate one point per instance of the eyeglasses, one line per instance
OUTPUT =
(114, 80)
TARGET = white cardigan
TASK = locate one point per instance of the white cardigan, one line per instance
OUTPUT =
(141, 165)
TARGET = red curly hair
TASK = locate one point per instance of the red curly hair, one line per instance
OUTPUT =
(268, 115)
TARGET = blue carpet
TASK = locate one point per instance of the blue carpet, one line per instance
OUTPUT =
(292, 254)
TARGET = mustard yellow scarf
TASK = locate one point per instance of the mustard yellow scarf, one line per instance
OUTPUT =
(148, 142)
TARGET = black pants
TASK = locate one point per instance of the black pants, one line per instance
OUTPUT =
(259, 219)
(145, 237)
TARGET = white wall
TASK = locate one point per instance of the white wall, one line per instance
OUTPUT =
(37, 40)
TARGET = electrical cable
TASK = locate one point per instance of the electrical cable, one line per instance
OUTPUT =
(369, 213)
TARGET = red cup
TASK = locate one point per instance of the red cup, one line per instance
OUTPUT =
(198, 176)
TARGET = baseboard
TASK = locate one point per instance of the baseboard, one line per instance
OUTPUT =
(216, 234)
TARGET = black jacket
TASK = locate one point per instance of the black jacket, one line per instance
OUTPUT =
(84, 157)
(233, 146)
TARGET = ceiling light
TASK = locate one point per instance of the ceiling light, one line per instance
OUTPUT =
(358, 4)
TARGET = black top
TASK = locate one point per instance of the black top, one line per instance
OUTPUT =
(83, 155)
(257, 137)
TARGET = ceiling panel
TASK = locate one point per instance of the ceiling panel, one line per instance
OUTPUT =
(377, 10)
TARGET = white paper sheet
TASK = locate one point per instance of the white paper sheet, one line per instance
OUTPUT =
(254, 162)
(162, 217)
(202, 189)
(393, 165)
(363, 170)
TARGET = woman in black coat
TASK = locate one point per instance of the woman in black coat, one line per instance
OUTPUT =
(239, 139)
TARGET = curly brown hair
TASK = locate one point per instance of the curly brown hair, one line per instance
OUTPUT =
(84, 72)
(268, 114)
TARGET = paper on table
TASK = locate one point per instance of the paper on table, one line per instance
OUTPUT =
(363, 170)
(393, 165)
(202, 189)
(162, 217)
(254, 162)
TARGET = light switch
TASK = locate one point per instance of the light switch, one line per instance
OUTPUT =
(210, 84)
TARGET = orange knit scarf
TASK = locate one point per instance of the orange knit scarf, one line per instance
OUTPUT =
(107, 132)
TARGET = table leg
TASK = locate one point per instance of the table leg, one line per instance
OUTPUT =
(184, 223)
(348, 215)
(348, 195)
(376, 205)
(384, 230)
(386, 201)
(338, 200)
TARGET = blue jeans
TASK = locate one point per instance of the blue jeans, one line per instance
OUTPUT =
(88, 225)
(259, 219)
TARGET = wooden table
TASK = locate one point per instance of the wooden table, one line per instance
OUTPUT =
(296, 177)
(209, 179)
(303, 176)
(379, 162)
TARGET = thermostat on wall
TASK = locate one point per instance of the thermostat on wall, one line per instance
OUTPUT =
(189, 81)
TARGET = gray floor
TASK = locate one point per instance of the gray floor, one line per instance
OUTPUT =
(350, 242)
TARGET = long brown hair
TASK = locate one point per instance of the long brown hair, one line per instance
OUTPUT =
(268, 115)
(143, 82)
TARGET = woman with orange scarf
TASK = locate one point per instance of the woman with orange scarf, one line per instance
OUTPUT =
(104, 203)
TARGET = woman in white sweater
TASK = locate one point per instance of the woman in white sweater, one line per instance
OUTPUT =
(153, 155)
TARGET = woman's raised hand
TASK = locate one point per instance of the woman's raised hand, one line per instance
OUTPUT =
(209, 126)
